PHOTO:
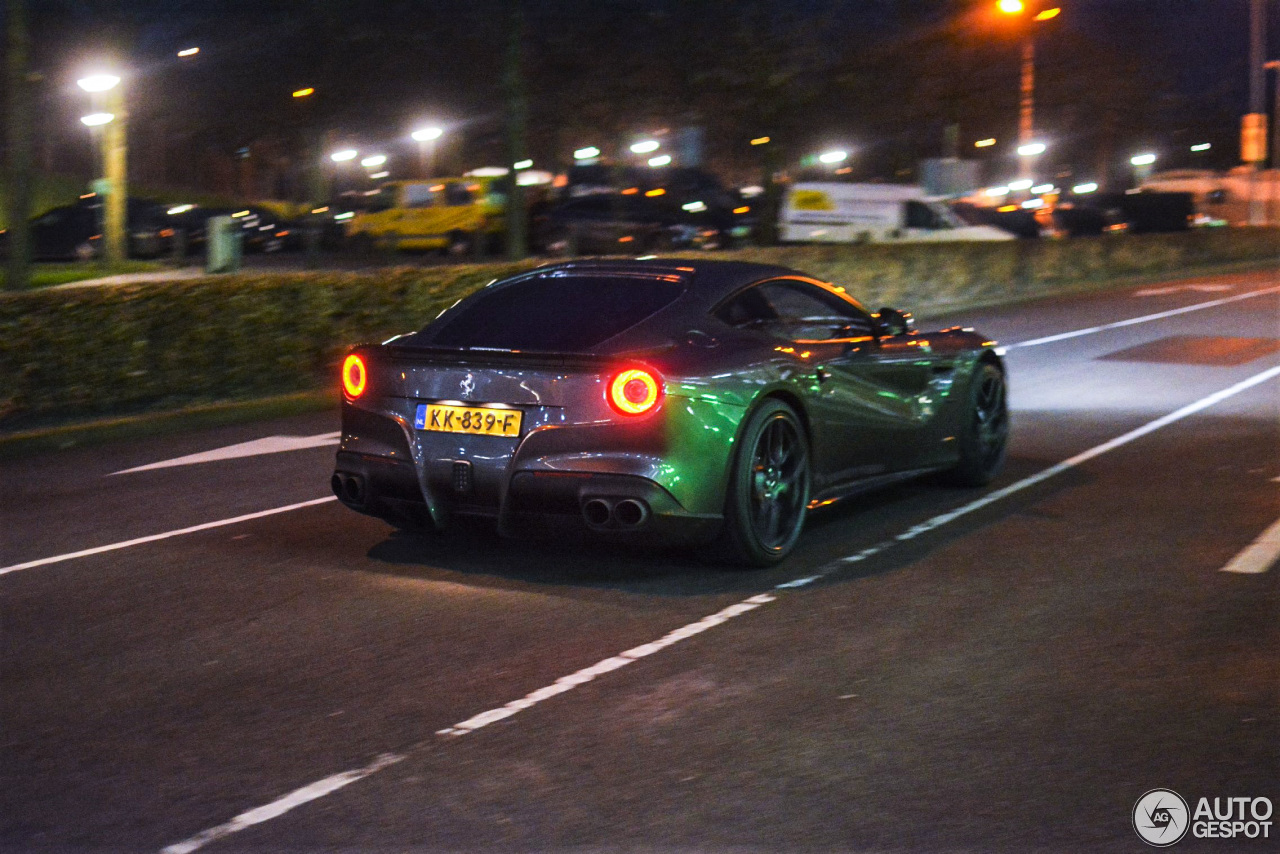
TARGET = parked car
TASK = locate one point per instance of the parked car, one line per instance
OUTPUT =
(662, 400)
(449, 214)
(261, 230)
(634, 223)
(75, 232)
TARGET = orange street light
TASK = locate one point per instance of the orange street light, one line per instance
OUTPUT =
(1011, 7)
(304, 93)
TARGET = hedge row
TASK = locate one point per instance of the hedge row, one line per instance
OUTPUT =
(92, 351)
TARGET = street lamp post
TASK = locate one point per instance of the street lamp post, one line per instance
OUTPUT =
(1027, 87)
(114, 161)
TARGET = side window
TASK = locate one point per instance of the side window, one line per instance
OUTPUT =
(919, 215)
(457, 194)
(796, 311)
(417, 195)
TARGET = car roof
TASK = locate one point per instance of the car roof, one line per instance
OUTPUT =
(708, 279)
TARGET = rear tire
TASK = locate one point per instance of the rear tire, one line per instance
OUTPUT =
(768, 494)
(459, 245)
(984, 437)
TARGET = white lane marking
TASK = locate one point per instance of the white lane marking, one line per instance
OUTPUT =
(255, 448)
(97, 550)
(1146, 318)
(622, 659)
(1173, 289)
(277, 808)
(1259, 555)
(607, 665)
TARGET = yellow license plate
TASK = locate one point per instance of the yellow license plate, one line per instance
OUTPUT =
(485, 420)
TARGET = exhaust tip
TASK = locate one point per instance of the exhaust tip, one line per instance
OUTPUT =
(597, 512)
(631, 513)
(348, 487)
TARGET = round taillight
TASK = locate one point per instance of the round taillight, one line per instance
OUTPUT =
(354, 376)
(634, 391)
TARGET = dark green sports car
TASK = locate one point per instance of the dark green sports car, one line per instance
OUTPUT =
(692, 400)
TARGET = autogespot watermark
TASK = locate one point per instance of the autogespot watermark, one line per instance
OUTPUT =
(1161, 817)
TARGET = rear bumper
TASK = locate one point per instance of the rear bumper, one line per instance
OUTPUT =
(611, 506)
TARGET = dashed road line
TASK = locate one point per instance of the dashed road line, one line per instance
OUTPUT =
(607, 665)
(97, 550)
(255, 448)
(1146, 318)
(1260, 555)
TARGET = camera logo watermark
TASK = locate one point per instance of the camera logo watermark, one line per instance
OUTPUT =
(1161, 817)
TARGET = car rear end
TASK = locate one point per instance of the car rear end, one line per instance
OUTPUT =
(516, 406)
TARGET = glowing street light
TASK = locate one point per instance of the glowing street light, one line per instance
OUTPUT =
(647, 146)
(344, 155)
(427, 134)
(985, 143)
(1202, 146)
(1142, 164)
(1031, 149)
(660, 160)
(588, 153)
(304, 93)
(187, 52)
(834, 157)
(1087, 187)
(761, 140)
(95, 83)
(522, 164)
(373, 160)
(94, 120)
(1020, 185)
(1011, 7)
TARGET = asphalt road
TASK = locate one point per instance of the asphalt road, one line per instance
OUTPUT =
(927, 672)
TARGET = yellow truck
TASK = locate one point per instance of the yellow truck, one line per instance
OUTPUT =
(456, 215)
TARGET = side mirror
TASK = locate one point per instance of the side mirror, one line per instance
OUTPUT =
(894, 322)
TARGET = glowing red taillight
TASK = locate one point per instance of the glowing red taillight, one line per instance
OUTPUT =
(634, 391)
(354, 376)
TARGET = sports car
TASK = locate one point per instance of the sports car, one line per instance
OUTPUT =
(693, 401)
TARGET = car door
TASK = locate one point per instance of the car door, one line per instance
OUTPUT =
(867, 401)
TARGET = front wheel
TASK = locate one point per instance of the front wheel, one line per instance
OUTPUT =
(459, 244)
(984, 435)
(768, 492)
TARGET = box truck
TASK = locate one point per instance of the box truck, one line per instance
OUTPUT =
(829, 212)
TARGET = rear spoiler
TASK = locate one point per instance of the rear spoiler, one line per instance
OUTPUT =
(487, 356)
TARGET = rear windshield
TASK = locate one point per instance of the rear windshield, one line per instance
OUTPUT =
(558, 312)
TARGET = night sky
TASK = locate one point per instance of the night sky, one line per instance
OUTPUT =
(884, 77)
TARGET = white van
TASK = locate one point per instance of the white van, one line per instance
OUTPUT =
(872, 213)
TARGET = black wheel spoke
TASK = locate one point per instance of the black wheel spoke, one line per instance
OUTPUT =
(779, 482)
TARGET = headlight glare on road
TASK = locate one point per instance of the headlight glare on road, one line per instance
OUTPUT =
(354, 376)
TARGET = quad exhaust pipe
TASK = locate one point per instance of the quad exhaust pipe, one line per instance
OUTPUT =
(613, 514)
(348, 487)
